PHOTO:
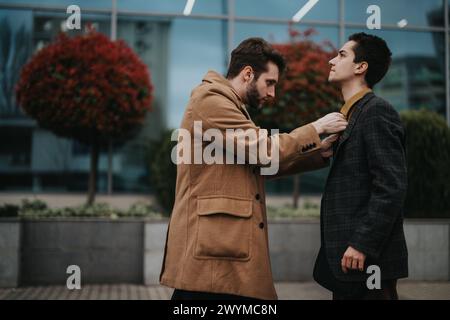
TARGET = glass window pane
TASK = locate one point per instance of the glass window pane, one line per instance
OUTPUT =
(416, 12)
(326, 10)
(83, 4)
(279, 33)
(15, 148)
(47, 25)
(43, 161)
(15, 49)
(195, 48)
(416, 78)
(213, 7)
(148, 37)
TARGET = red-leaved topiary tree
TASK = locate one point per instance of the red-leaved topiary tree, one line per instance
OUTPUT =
(304, 93)
(88, 88)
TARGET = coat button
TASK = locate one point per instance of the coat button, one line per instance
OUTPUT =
(261, 225)
(257, 197)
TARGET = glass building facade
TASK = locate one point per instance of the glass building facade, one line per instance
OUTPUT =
(178, 50)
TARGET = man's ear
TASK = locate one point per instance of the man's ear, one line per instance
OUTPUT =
(361, 67)
(247, 73)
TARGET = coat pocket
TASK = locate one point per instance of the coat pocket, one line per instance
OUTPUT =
(224, 228)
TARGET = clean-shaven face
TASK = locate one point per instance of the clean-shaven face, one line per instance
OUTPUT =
(342, 66)
(263, 89)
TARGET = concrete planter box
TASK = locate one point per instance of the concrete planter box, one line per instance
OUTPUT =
(38, 252)
(9, 252)
(107, 251)
(294, 245)
(154, 242)
(429, 249)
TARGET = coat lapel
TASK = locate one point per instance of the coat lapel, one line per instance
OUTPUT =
(244, 111)
(353, 119)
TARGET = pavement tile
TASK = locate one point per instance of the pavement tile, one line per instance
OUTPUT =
(408, 290)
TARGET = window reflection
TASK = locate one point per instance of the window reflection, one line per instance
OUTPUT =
(416, 12)
(195, 48)
(148, 38)
(178, 52)
(83, 4)
(48, 25)
(15, 48)
(325, 10)
(214, 7)
(279, 33)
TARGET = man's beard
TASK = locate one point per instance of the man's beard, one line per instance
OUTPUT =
(253, 98)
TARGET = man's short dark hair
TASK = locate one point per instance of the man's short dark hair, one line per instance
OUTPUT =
(256, 53)
(375, 52)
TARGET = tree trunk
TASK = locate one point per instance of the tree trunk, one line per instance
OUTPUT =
(92, 189)
(296, 190)
(110, 164)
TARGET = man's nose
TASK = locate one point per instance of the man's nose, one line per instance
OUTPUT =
(271, 93)
(331, 62)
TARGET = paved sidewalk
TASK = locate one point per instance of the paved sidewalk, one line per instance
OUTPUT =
(414, 290)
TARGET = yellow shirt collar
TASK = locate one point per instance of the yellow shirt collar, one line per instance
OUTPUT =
(345, 110)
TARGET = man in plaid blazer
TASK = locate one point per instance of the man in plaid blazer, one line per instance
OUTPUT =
(362, 205)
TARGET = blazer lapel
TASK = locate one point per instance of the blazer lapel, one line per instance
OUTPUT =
(353, 119)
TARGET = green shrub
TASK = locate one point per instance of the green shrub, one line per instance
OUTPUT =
(163, 172)
(428, 157)
(39, 209)
(140, 210)
(9, 210)
(308, 211)
(34, 204)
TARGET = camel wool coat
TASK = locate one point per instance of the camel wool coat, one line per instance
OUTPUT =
(217, 239)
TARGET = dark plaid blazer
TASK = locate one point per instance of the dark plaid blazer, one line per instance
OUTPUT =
(362, 205)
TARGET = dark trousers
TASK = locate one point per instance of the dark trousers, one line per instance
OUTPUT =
(198, 295)
(388, 291)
